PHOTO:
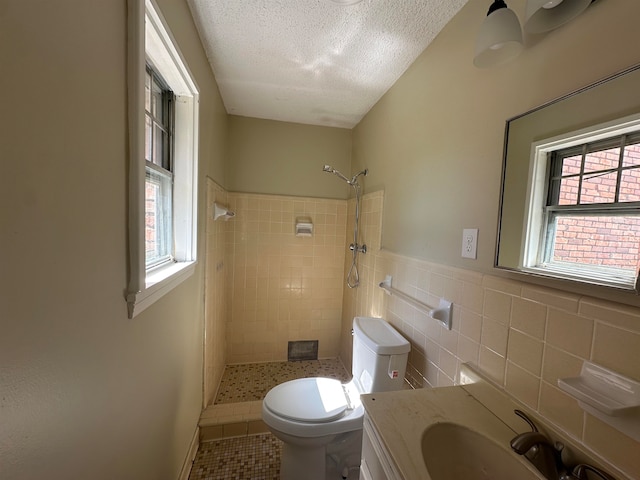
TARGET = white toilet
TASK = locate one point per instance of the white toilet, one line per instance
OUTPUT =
(320, 419)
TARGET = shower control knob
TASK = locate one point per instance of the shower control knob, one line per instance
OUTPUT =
(358, 248)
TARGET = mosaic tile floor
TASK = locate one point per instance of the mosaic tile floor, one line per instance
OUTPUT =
(248, 382)
(256, 457)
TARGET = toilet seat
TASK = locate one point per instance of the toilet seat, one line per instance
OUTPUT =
(312, 420)
(314, 400)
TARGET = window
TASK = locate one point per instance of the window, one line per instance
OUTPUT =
(584, 220)
(158, 100)
(163, 128)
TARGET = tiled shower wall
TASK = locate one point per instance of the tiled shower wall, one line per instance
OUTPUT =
(525, 337)
(215, 295)
(282, 287)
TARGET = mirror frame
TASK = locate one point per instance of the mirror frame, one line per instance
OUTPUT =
(526, 274)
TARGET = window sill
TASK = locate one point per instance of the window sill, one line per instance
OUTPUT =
(618, 282)
(159, 283)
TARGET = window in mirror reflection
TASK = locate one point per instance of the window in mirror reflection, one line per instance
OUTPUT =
(589, 225)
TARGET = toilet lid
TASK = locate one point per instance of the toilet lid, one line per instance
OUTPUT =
(308, 400)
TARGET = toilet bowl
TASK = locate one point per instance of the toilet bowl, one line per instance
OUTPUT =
(320, 419)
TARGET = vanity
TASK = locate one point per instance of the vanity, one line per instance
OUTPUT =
(451, 433)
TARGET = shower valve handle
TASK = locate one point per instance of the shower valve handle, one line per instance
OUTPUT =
(358, 248)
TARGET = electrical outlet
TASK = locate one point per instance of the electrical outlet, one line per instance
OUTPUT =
(470, 243)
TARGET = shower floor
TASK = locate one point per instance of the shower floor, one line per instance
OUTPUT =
(250, 382)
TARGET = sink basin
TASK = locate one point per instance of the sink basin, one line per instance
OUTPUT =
(454, 452)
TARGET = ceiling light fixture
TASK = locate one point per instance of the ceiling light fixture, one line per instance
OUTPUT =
(500, 37)
(545, 15)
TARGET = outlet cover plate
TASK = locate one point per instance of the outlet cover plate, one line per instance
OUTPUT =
(470, 243)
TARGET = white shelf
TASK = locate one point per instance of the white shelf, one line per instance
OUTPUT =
(611, 397)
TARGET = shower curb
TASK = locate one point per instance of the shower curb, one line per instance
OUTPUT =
(229, 420)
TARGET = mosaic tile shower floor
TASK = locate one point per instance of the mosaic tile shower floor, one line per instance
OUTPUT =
(248, 382)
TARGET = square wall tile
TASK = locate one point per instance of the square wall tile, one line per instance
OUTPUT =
(561, 409)
(522, 385)
(492, 364)
(570, 332)
(495, 336)
(497, 306)
(525, 351)
(529, 317)
(618, 350)
(559, 364)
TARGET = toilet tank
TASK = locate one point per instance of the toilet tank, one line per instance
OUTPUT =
(379, 355)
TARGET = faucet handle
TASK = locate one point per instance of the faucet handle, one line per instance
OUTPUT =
(524, 442)
(580, 472)
(524, 416)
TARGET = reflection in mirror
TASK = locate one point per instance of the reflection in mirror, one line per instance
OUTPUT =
(570, 204)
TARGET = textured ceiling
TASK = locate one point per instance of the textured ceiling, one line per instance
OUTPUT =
(314, 61)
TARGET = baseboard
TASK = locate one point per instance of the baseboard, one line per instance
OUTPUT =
(191, 455)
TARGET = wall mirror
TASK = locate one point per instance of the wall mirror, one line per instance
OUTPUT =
(570, 202)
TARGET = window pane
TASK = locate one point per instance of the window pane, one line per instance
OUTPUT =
(631, 155)
(568, 191)
(630, 186)
(599, 188)
(147, 92)
(611, 241)
(160, 142)
(156, 101)
(148, 139)
(602, 160)
(571, 165)
(158, 215)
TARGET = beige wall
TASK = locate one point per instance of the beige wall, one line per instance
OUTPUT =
(283, 158)
(434, 141)
(434, 144)
(86, 392)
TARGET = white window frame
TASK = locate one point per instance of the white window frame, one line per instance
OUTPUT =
(534, 225)
(150, 37)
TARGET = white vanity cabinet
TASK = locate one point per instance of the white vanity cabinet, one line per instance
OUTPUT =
(376, 463)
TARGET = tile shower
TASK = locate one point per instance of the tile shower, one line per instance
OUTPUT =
(524, 336)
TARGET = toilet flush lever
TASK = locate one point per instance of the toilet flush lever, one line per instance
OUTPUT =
(395, 363)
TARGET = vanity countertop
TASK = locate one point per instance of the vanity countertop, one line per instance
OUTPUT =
(401, 417)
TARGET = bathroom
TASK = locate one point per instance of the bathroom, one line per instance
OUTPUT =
(90, 393)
